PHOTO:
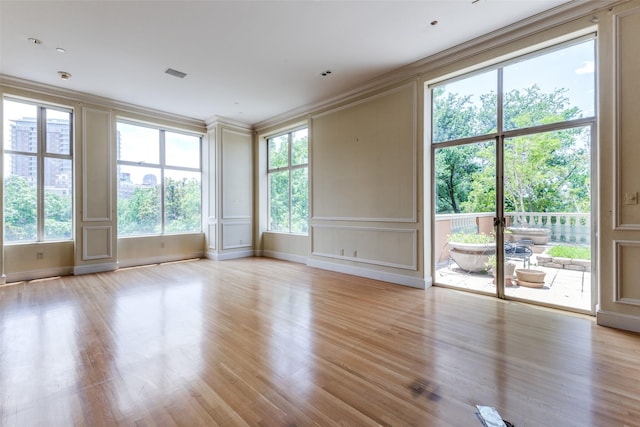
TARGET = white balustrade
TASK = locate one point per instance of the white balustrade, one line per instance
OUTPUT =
(566, 227)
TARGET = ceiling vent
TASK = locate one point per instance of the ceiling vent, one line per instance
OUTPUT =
(175, 73)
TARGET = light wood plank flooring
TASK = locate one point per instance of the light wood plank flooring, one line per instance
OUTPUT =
(271, 343)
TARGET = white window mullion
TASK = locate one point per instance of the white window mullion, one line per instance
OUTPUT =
(41, 126)
(162, 189)
(290, 137)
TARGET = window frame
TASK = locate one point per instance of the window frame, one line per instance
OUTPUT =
(161, 166)
(289, 168)
(41, 154)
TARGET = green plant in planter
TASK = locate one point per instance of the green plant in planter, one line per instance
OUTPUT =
(471, 238)
(471, 251)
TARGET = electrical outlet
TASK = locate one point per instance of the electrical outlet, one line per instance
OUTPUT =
(341, 252)
(39, 255)
(161, 245)
(631, 198)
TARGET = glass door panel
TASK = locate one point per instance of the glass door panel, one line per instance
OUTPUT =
(465, 248)
(547, 206)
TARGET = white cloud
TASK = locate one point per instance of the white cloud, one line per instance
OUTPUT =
(588, 67)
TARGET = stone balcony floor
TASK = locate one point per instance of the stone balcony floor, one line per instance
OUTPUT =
(563, 287)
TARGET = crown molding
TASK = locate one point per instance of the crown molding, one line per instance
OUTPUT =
(219, 120)
(86, 98)
(543, 21)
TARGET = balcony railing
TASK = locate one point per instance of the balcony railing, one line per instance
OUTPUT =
(566, 227)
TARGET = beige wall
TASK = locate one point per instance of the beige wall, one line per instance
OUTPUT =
(290, 247)
(37, 260)
(134, 251)
(366, 164)
(619, 133)
(230, 199)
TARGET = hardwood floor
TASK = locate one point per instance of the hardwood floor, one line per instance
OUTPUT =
(264, 342)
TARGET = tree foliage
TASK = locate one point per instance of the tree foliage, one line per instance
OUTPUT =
(142, 212)
(543, 172)
(21, 212)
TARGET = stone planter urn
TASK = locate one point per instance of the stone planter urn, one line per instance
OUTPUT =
(530, 278)
(472, 257)
(538, 235)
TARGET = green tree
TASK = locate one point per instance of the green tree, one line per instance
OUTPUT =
(544, 172)
(182, 205)
(20, 209)
(455, 117)
(140, 214)
(58, 221)
(455, 167)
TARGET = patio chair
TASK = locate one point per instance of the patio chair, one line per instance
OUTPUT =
(520, 250)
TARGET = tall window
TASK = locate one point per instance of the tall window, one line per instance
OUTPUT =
(38, 172)
(288, 164)
(539, 104)
(159, 178)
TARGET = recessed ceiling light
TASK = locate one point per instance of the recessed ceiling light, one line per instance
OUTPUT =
(61, 50)
(33, 40)
(64, 75)
(325, 73)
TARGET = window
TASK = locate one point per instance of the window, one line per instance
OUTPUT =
(288, 165)
(159, 181)
(38, 172)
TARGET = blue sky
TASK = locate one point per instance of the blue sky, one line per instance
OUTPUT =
(572, 68)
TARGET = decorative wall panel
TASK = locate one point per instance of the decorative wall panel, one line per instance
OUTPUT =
(628, 126)
(96, 242)
(97, 203)
(237, 234)
(391, 247)
(364, 159)
(237, 175)
(627, 272)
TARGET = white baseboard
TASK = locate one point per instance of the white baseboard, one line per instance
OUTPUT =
(284, 256)
(398, 279)
(618, 320)
(38, 274)
(134, 262)
(229, 255)
(95, 268)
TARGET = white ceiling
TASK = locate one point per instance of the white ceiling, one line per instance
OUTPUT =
(245, 60)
